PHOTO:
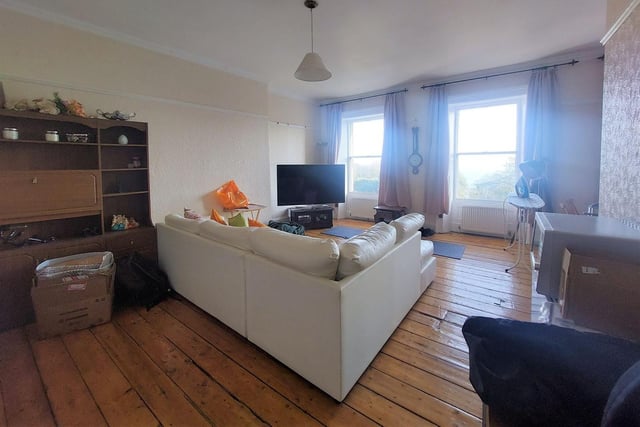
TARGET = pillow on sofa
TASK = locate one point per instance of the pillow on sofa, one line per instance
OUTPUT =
(407, 225)
(309, 255)
(238, 221)
(191, 214)
(255, 223)
(363, 250)
(182, 223)
(233, 236)
(215, 215)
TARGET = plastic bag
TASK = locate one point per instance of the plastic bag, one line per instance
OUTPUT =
(230, 196)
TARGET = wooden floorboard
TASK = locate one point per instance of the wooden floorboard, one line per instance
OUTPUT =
(176, 365)
(68, 395)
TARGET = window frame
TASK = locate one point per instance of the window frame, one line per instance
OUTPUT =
(347, 126)
(520, 100)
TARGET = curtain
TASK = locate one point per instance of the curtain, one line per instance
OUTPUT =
(539, 130)
(333, 131)
(436, 194)
(394, 167)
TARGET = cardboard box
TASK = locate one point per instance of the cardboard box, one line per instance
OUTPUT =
(601, 294)
(74, 300)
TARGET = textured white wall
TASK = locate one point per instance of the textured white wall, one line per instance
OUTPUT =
(205, 126)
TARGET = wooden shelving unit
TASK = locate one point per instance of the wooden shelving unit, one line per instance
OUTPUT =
(67, 194)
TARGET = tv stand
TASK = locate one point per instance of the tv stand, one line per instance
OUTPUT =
(312, 217)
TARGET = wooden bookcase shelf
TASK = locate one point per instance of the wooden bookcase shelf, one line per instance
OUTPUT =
(67, 194)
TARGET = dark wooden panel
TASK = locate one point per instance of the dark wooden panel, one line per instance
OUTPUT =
(42, 194)
(17, 271)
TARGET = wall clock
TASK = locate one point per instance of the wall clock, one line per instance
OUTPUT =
(415, 159)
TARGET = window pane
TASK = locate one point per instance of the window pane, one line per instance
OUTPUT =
(485, 176)
(488, 129)
(365, 175)
(367, 137)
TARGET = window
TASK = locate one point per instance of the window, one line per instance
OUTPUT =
(486, 138)
(364, 150)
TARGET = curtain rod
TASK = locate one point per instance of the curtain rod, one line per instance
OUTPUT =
(364, 97)
(572, 62)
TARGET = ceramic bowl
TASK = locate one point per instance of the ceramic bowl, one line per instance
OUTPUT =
(77, 137)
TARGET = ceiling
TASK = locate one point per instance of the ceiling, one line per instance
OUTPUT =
(369, 45)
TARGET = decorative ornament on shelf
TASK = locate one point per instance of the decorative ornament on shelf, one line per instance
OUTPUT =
(116, 115)
(72, 106)
(41, 105)
(46, 106)
(121, 222)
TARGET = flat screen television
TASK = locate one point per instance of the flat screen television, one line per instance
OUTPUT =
(310, 184)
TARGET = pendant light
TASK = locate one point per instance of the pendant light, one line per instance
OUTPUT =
(312, 69)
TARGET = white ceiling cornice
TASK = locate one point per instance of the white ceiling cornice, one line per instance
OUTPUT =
(618, 23)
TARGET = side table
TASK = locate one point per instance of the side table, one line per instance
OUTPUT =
(388, 213)
(253, 209)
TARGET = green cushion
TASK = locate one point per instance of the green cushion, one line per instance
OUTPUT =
(238, 221)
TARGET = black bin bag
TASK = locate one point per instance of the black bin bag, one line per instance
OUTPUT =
(140, 282)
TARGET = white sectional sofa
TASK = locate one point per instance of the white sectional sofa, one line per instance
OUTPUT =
(280, 291)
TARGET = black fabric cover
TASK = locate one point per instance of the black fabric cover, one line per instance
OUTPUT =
(623, 407)
(288, 226)
(542, 375)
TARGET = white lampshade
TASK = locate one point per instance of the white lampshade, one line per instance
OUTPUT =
(312, 69)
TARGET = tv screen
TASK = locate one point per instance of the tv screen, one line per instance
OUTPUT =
(310, 184)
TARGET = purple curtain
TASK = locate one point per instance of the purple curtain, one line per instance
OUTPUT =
(394, 167)
(436, 193)
(541, 111)
(539, 127)
(333, 131)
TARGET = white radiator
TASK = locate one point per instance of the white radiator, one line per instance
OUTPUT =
(360, 208)
(485, 220)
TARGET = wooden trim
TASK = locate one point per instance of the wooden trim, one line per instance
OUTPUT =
(621, 19)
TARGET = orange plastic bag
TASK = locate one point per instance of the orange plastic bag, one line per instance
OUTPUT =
(230, 196)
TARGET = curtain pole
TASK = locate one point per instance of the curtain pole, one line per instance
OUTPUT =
(572, 62)
(364, 97)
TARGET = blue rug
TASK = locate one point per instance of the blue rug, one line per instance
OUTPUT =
(344, 232)
(449, 250)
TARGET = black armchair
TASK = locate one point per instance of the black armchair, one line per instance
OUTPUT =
(531, 374)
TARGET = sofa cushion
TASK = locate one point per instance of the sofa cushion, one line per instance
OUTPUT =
(182, 223)
(234, 236)
(215, 215)
(363, 250)
(407, 225)
(255, 223)
(426, 251)
(309, 255)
